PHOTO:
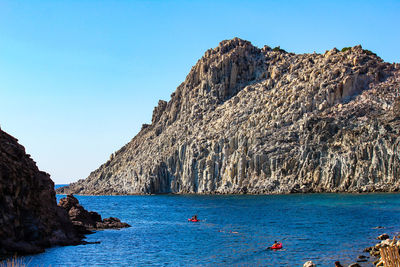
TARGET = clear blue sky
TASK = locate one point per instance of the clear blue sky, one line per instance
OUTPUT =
(79, 78)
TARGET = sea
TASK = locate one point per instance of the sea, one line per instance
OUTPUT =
(235, 230)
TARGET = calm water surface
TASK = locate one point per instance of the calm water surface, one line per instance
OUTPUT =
(235, 230)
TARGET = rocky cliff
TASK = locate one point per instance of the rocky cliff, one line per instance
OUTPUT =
(30, 219)
(250, 120)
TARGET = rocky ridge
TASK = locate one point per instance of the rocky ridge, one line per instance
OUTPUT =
(250, 120)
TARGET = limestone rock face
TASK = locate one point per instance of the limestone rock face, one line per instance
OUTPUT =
(29, 217)
(250, 120)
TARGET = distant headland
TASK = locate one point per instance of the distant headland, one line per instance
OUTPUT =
(265, 121)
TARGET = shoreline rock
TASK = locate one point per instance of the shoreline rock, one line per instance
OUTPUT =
(87, 221)
(30, 220)
(374, 251)
(383, 237)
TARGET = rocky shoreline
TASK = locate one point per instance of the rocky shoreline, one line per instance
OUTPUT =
(85, 222)
(30, 219)
(375, 251)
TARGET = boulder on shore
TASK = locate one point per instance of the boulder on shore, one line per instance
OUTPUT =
(309, 264)
(383, 237)
(86, 221)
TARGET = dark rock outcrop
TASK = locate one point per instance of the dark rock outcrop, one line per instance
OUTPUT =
(30, 219)
(250, 120)
(86, 221)
(383, 237)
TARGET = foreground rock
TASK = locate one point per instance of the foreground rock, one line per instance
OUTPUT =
(30, 219)
(86, 221)
(375, 250)
(383, 237)
(309, 264)
(250, 120)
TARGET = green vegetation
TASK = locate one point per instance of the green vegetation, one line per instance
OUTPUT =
(366, 51)
(278, 49)
(369, 52)
(344, 49)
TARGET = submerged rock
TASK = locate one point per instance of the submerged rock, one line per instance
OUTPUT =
(250, 120)
(362, 258)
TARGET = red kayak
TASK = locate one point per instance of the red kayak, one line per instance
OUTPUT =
(193, 220)
(277, 246)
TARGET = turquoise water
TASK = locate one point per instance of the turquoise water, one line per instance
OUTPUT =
(235, 230)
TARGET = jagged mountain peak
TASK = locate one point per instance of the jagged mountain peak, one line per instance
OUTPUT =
(227, 46)
(225, 68)
(215, 78)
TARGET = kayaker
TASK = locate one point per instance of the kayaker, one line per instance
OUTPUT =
(194, 218)
(276, 245)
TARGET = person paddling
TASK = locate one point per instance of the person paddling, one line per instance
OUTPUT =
(194, 219)
(276, 245)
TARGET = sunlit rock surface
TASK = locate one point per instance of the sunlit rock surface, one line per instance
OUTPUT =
(250, 120)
